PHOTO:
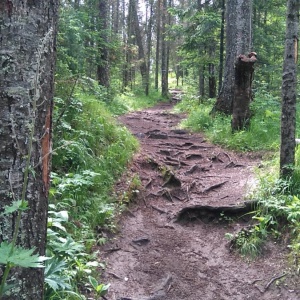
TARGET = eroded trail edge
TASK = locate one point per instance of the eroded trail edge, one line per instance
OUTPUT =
(171, 243)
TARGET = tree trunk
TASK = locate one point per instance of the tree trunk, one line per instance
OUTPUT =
(103, 63)
(201, 80)
(242, 92)
(221, 62)
(164, 53)
(158, 38)
(27, 45)
(289, 89)
(128, 72)
(139, 42)
(149, 43)
(211, 81)
(238, 41)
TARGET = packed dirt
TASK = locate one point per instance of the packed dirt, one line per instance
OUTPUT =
(171, 243)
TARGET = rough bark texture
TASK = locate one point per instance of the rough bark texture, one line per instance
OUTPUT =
(222, 37)
(242, 92)
(139, 42)
(238, 41)
(27, 43)
(164, 53)
(289, 84)
(149, 44)
(103, 64)
(158, 38)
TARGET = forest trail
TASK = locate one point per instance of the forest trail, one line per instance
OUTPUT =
(156, 256)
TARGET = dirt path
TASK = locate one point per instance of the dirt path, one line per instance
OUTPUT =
(155, 257)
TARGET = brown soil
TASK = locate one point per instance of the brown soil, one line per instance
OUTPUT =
(171, 242)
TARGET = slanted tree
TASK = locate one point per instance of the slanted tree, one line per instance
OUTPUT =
(289, 89)
(27, 57)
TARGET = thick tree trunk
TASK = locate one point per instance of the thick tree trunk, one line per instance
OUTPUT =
(103, 75)
(238, 41)
(289, 89)
(27, 43)
(242, 92)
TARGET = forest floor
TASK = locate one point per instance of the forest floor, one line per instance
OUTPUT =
(171, 243)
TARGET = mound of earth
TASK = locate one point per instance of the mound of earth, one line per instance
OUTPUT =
(171, 242)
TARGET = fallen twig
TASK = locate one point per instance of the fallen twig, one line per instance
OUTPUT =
(148, 183)
(158, 209)
(113, 249)
(167, 194)
(215, 186)
(274, 279)
(114, 275)
(255, 280)
(144, 199)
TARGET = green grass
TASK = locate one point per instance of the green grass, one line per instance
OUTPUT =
(133, 100)
(263, 133)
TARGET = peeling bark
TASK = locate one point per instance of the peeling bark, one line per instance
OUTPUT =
(242, 91)
(27, 45)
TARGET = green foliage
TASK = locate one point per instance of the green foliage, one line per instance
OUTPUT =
(133, 100)
(100, 289)
(19, 256)
(263, 133)
(91, 152)
(133, 188)
(277, 212)
(71, 262)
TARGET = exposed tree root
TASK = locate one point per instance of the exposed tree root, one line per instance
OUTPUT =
(213, 212)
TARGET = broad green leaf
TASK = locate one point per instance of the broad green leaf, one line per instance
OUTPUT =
(93, 282)
(15, 206)
(20, 257)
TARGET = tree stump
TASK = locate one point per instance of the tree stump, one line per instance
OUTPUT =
(242, 91)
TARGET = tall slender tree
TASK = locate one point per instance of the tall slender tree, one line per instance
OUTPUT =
(289, 85)
(103, 62)
(27, 57)
(164, 51)
(158, 41)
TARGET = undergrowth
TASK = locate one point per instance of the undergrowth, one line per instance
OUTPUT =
(91, 150)
(277, 211)
(263, 133)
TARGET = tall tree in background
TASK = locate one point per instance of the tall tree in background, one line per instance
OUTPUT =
(158, 41)
(139, 41)
(149, 45)
(164, 51)
(238, 41)
(103, 63)
(27, 58)
(289, 85)
(222, 37)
